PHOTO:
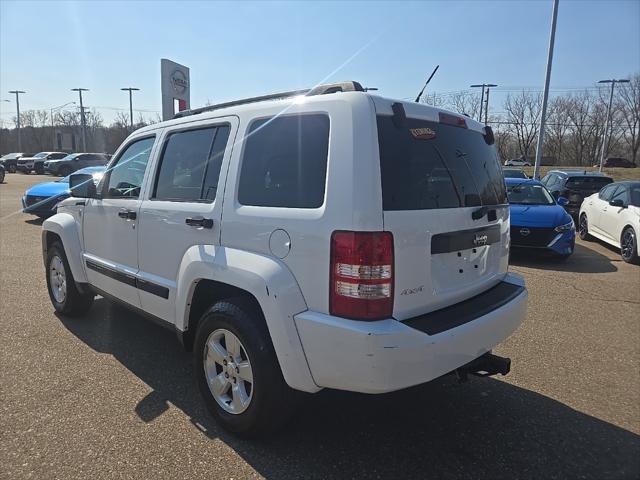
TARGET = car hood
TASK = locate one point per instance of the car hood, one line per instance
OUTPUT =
(58, 160)
(48, 189)
(538, 215)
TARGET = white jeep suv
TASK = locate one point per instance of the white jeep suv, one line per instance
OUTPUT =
(304, 240)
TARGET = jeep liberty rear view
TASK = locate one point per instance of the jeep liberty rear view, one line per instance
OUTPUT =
(326, 238)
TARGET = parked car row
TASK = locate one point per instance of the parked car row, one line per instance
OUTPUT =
(544, 213)
(55, 163)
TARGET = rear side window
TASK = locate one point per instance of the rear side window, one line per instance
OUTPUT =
(429, 165)
(190, 164)
(285, 162)
(588, 183)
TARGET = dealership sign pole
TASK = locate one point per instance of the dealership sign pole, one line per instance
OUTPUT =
(175, 88)
(545, 97)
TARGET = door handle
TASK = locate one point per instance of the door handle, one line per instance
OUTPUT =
(199, 222)
(127, 214)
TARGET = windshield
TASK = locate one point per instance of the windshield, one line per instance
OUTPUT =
(513, 173)
(452, 167)
(529, 194)
(40, 155)
(71, 156)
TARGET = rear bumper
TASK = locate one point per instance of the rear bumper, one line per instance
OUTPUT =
(387, 355)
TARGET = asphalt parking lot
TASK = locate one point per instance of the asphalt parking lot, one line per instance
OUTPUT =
(111, 395)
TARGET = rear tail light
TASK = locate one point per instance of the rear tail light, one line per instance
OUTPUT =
(361, 279)
(454, 120)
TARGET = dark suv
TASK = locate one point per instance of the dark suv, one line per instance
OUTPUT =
(575, 186)
(75, 161)
(35, 163)
(613, 162)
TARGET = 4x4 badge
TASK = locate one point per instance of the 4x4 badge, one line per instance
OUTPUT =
(422, 133)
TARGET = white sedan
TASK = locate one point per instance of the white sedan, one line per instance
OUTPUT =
(517, 162)
(613, 216)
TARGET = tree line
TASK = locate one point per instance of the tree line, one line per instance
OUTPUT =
(38, 130)
(574, 130)
(575, 123)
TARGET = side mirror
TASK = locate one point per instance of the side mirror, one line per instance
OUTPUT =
(562, 201)
(82, 185)
(556, 194)
(617, 203)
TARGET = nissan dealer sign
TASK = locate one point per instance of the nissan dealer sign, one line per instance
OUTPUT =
(175, 88)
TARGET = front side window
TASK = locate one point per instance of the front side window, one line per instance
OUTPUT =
(190, 164)
(285, 162)
(124, 178)
(621, 194)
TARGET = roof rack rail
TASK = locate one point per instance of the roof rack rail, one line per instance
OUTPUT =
(326, 88)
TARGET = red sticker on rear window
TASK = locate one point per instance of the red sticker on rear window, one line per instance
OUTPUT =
(422, 133)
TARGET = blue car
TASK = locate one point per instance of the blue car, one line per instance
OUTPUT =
(42, 199)
(538, 220)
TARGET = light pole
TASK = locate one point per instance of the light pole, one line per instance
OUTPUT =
(17, 93)
(82, 122)
(486, 106)
(481, 98)
(545, 95)
(605, 140)
(53, 134)
(130, 89)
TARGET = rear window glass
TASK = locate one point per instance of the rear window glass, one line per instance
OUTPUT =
(447, 167)
(285, 162)
(591, 183)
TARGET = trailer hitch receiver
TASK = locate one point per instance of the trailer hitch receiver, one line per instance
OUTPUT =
(484, 366)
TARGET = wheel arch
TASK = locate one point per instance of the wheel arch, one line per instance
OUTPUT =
(209, 273)
(63, 227)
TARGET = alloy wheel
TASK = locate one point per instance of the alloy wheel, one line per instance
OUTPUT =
(58, 279)
(228, 371)
(628, 244)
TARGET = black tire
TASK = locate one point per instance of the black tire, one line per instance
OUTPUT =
(12, 168)
(562, 258)
(272, 400)
(64, 171)
(583, 227)
(74, 302)
(629, 246)
(1, 176)
(39, 170)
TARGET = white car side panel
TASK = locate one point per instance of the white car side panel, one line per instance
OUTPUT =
(273, 286)
(64, 225)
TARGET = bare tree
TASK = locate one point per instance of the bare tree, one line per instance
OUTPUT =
(629, 102)
(523, 114)
(36, 131)
(467, 103)
(433, 99)
(557, 127)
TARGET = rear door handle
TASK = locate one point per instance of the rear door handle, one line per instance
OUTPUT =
(127, 214)
(199, 222)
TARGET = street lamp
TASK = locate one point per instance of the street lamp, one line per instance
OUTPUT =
(17, 93)
(482, 99)
(605, 140)
(53, 134)
(82, 122)
(130, 89)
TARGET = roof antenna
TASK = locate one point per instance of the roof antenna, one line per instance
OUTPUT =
(425, 85)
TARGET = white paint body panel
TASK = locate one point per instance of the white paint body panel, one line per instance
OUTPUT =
(387, 355)
(607, 223)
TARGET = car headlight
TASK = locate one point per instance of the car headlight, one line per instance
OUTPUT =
(566, 227)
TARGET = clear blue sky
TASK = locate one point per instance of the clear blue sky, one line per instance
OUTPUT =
(244, 49)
